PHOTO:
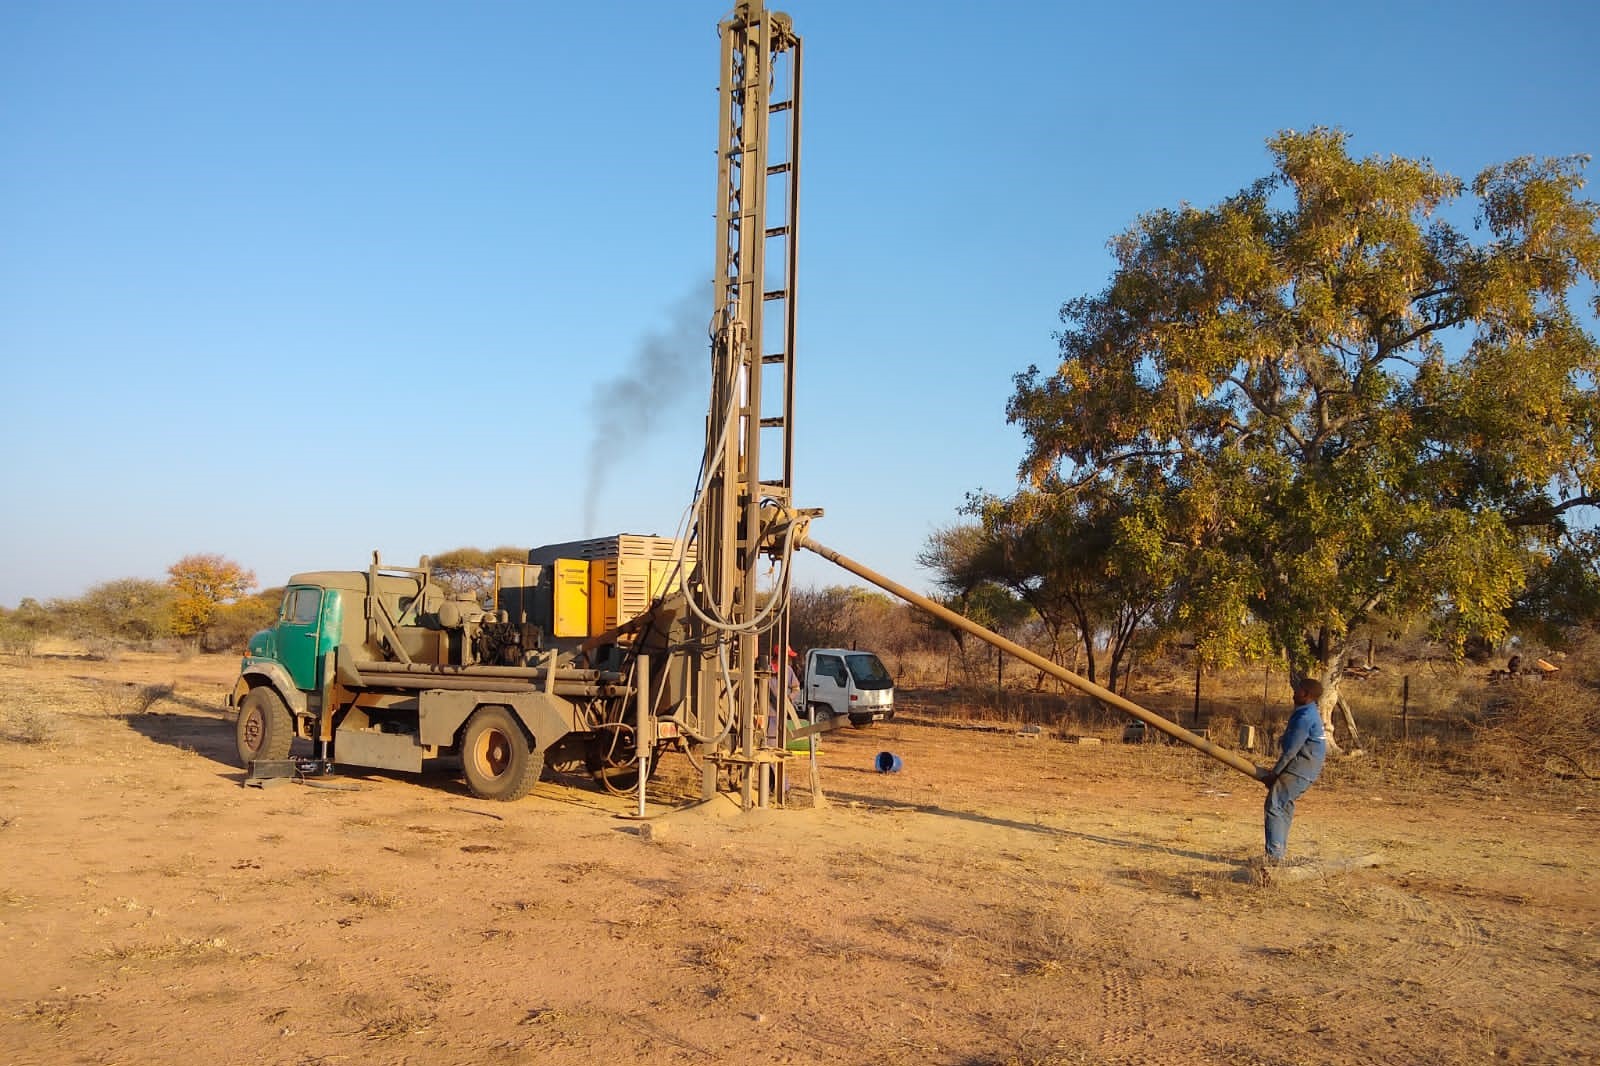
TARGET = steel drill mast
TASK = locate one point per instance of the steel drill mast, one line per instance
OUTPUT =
(745, 509)
(746, 503)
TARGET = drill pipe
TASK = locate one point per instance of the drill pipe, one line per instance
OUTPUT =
(410, 682)
(1082, 684)
(536, 673)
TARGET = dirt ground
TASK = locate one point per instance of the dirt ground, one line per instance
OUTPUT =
(1002, 899)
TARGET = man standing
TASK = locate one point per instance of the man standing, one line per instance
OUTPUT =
(1303, 749)
(780, 705)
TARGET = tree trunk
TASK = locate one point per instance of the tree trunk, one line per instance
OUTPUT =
(1334, 654)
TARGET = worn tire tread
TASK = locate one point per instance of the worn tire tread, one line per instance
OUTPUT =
(277, 723)
(521, 780)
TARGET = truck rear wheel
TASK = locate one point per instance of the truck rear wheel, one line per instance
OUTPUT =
(496, 758)
(264, 730)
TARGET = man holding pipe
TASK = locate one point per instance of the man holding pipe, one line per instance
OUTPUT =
(1303, 749)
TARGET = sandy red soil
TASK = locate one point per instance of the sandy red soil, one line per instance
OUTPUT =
(1001, 900)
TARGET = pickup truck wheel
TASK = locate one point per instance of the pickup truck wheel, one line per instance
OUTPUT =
(264, 730)
(496, 758)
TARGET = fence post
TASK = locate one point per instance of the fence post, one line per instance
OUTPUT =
(1405, 708)
(1198, 663)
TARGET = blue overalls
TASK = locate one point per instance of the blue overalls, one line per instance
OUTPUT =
(1304, 748)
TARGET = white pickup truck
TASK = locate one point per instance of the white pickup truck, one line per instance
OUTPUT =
(842, 683)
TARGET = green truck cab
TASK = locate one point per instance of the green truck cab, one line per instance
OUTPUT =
(309, 626)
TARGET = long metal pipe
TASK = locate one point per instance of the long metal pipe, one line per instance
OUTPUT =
(418, 682)
(1082, 684)
(533, 673)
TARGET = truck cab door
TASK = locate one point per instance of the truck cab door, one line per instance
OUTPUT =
(298, 631)
(826, 684)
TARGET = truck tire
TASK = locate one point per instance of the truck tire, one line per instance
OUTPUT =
(496, 758)
(264, 730)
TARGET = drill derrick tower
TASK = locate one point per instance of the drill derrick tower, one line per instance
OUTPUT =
(746, 508)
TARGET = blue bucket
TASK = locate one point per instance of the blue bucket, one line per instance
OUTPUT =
(888, 762)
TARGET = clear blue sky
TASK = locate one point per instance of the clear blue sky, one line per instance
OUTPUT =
(292, 281)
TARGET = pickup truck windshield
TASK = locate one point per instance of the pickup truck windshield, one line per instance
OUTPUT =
(868, 671)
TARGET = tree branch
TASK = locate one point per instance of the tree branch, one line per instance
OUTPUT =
(1543, 516)
(1262, 408)
(1118, 459)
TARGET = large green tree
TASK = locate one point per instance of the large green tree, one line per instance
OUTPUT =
(1327, 399)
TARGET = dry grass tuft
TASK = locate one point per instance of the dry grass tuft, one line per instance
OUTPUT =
(543, 1016)
(722, 956)
(29, 724)
(55, 1013)
(181, 949)
(377, 1020)
(150, 695)
(397, 1023)
(116, 701)
(182, 866)
(377, 899)
(433, 989)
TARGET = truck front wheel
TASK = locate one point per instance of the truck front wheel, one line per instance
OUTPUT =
(264, 730)
(496, 758)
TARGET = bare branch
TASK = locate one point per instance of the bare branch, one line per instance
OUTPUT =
(1543, 516)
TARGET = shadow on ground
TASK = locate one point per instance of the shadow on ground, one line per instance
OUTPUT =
(208, 734)
(1034, 827)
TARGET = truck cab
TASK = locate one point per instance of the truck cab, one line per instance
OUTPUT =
(842, 683)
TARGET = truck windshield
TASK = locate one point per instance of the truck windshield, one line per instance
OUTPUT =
(868, 671)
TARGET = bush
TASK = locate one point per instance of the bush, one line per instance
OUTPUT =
(1542, 727)
(16, 640)
(235, 623)
(27, 724)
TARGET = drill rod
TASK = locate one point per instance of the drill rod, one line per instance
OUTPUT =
(1082, 684)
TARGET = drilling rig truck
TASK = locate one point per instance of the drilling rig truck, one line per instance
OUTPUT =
(594, 654)
(603, 654)
(387, 669)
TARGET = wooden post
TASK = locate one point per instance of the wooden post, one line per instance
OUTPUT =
(1197, 663)
(1405, 707)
